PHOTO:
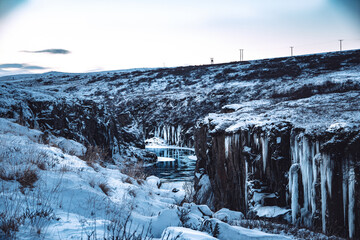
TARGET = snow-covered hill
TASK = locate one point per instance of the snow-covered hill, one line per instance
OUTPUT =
(112, 113)
(166, 102)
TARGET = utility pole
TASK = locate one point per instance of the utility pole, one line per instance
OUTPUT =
(241, 55)
(292, 51)
(340, 41)
(212, 60)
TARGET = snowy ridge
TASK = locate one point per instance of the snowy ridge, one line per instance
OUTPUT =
(166, 102)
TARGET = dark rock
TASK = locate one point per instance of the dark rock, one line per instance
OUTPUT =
(220, 156)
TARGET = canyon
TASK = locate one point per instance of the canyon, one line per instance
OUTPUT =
(287, 128)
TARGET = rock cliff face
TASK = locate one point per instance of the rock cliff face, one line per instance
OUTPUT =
(292, 124)
(84, 121)
(167, 102)
(312, 165)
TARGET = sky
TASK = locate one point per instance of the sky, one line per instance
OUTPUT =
(92, 35)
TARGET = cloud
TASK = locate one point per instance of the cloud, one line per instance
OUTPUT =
(20, 66)
(11, 65)
(51, 51)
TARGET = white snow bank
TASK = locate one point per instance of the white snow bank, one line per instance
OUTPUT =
(166, 218)
(270, 211)
(155, 142)
(7, 126)
(339, 125)
(192, 157)
(227, 215)
(181, 233)
(199, 210)
(69, 146)
(153, 181)
(224, 231)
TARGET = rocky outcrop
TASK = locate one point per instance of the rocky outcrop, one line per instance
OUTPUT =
(283, 106)
(315, 173)
(85, 122)
(167, 102)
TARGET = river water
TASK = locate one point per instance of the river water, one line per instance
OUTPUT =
(174, 164)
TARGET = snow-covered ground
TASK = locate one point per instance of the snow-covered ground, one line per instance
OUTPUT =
(50, 191)
(166, 102)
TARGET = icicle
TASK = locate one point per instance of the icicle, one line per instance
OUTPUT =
(236, 139)
(158, 132)
(227, 145)
(264, 144)
(306, 172)
(351, 200)
(164, 133)
(173, 135)
(313, 192)
(294, 190)
(178, 135)
(323, 194)
(246, 185)
(329, 172)
(168, 134)
(295, 151)
(256, 141)
(345, 172)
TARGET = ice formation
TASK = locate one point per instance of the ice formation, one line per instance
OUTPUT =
(171, 134)
(264, 145)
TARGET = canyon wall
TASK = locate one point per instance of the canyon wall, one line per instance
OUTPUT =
(133, 105)
(316, 175)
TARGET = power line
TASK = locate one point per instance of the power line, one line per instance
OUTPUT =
(300, 46)
(340, 41)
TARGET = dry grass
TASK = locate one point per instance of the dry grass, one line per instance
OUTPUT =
(64, 168)
(128, 180)
(24, 168)
(135, 171)
(6, 175)
(189, 192)
(94, 155)
(41, 159)
(131, 192)
(92, 183)
(27, 178)
(283, 228)
(105, 188)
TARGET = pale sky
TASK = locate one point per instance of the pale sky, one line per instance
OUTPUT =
(97, 35)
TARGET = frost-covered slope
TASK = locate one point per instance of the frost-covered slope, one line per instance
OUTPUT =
(46, 192)
(292, 112)
(167, 102)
